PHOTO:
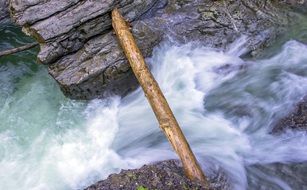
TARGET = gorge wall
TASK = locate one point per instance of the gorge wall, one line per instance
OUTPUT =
(82, 53)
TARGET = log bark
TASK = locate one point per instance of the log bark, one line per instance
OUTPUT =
(18, 49)
(159, 104)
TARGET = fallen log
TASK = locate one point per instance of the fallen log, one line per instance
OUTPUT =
(152, 91)
(18, 49)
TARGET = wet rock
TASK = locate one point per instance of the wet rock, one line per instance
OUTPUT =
(99, 69)
(84, 57)
(64, 26)
(298, 5)
(277, 176)
(296, 120)
(164, 175)
(4, 11)
(77, 43)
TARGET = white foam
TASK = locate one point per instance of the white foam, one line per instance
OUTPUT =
(75, 149)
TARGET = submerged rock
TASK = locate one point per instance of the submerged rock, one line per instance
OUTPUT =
(162, 175)
(298, 5)
(84, 57)
(296, 120)
(285, 176)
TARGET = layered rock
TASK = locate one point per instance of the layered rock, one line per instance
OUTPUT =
(85, 59)
(76, 41)
(162, 175)
(4, 11)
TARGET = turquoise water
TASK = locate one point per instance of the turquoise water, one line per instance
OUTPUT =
(33, 114)
(50, 142)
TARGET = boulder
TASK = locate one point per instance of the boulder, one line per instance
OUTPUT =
(162, 175)
(266, 176)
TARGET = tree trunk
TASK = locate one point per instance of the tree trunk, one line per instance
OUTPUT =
(157, 100)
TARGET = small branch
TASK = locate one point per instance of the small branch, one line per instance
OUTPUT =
(18, 49)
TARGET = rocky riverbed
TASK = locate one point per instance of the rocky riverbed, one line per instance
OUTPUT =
(83, 56)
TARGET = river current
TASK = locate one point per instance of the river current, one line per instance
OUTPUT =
(225, 105)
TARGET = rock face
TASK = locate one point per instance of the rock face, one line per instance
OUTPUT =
(4, 11)
(76, 41)
(84, 57)
(162, 175)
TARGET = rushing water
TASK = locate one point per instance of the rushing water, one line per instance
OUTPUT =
(225, 105)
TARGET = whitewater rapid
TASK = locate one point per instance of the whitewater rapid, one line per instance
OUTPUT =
(225, 105)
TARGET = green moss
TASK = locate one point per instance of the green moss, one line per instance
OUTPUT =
(141, 188)
(132, 176)
(185, 187)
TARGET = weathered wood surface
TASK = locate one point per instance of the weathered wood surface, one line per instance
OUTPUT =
(164, 114)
